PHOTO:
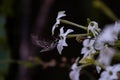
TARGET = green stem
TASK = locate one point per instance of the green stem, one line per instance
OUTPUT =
(73, 24)
(100, 5)
(85, 65)
(100, 65)
(75, 35)
(88, 32)
(96, 63)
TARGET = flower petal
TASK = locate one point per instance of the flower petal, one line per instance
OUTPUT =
(61, 14)
(93, 27)
(91, 42)
(60, 45)
(86, 42)
(61, 31)
(59, 48)
(98, 69)
(68, 31)
(84, 50)
(63, 42)
(90, 27)
(74, 75)
(93, 50)
(53, 28)
(117, 28)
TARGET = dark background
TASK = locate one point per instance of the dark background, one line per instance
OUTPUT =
(37, 17)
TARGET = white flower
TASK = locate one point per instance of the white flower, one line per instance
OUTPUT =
(107, 36)
(60, 14)
(88, 47)
(93, 27)
(75, 73)
(110, 73)
(62, 41)
(106, 55)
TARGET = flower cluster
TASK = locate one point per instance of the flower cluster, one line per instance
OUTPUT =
(99, 42)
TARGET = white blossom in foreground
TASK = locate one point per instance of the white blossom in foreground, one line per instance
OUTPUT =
(110, 73)
(75, 73)
(60, 14)
(62, 41)
(106, 55)
(88, 47)
(107, 36)
(93, 27)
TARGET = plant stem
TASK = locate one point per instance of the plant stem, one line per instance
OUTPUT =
(85, 65)
(73, 24)
(75, 35)
(100, 65)
(100, 5)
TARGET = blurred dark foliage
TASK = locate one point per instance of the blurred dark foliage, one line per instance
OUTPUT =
(26, 17)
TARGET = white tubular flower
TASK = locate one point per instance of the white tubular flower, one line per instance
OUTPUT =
(62, 41)
(105, 56)
(108, 36)
(110, 73)
(88, 47)
(75, 73)
(60, 14)
(93, 27)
